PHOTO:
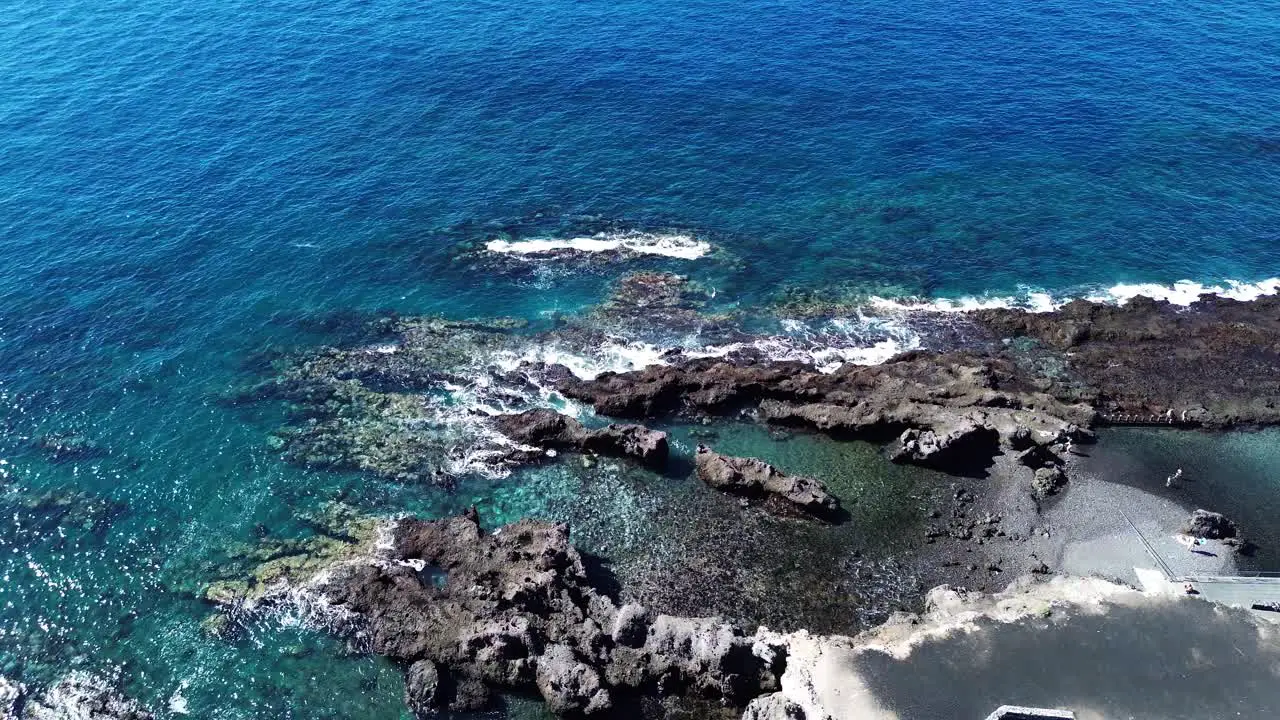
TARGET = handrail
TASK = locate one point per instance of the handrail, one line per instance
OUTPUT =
(1168, 572)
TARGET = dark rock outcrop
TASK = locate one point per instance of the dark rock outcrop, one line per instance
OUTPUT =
(516, 611)
(1048, 481)
(550, 429)
(1148, 358)
(949, 410)
(11, 694)
(963, 444)
(1209, 525)
(422, 688)
(758, 480)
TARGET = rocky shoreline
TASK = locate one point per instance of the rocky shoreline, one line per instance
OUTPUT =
(1004, 413)
(469, 614)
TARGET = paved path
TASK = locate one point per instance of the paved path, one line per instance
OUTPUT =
(1237, 590)
(1241, 592)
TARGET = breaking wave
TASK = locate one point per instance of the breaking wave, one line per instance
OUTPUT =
(673, 245)
(1183, 292)
(829, 345)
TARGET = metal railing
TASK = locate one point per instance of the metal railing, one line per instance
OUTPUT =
(1164, 566)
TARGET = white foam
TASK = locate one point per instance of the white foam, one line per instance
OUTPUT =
(1183, 293)
(674, 245)
(1032, 300)
(614, 355)
(840, 341)
(178, 701)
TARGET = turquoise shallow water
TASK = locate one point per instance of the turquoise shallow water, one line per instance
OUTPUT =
(184, 187)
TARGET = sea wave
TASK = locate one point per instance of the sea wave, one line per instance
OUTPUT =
(612, 355)
(1182, 293)
(1185, 292)
(674, 245)
(507, 380)
(859, 340)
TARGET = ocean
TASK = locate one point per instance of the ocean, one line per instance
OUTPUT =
(187, 190)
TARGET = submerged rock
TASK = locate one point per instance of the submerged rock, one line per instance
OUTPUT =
(756, 479)
(58, 517)
(68, 446)
(261, 572)
(1209, 525)
(550, 429)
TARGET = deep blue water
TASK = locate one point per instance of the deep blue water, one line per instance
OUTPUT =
(182, 184)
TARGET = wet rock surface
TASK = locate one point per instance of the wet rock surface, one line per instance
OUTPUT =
(516, 611)
(11, 694)
(1147, 359)
(1209, 525)
(468, 613)
(550, 429)
(951, 411)
(419, 406)
(754, 479)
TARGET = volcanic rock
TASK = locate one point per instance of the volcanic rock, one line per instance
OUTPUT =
(569, 686)
(1048, 481)
(960, 405)
(631, 625)
(11, 693)
(422, 687)
(550, 429)
(1148, 358)
(515, 611)
(961, 444)
(1039, 456)
(756, 479)
(1209, 525)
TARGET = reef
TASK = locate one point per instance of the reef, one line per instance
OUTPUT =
(419, 404)
(69, 446)
(250, 572)
(469, 613)
(59, 517)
